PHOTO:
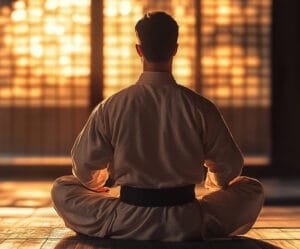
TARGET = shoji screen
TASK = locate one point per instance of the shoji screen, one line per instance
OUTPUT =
(235, 48)
(44, 76)
(45, 66)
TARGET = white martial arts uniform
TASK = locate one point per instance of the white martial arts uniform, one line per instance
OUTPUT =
(157, 134)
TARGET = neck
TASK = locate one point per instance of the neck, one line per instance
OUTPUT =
(157, 67)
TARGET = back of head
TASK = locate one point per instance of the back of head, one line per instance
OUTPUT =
(158, 33)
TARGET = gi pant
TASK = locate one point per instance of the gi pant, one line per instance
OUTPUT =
(226, 212)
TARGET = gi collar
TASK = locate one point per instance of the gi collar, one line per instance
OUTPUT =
(156, 78)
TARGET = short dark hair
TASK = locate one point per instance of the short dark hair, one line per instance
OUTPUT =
(158, 33)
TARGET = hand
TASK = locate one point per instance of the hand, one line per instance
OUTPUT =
(210, 164)
(211, 183)
(103, 189)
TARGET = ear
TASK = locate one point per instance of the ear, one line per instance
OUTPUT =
(175, 50)
(139, 50)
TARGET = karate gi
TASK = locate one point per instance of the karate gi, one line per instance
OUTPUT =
(157, 134)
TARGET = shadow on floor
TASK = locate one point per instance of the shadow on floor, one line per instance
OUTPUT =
(82, 242)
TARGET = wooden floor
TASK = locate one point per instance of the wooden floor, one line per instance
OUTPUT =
(27, 220)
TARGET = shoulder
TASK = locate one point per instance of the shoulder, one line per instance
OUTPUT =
(117, 99)
(122, 93)
(197, 99)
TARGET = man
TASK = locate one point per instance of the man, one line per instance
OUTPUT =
(153, 139)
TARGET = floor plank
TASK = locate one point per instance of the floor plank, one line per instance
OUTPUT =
(51, 244)
(60, 233)
(40, 222)
(279, 217)
(11, 243)
(32, 244)
(292, 232)
(295, 243)
(269, 233)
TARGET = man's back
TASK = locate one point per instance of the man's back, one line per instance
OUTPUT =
(155, 129)
(161, 133)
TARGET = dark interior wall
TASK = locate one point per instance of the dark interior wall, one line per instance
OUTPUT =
(286, 85)
(40, 131)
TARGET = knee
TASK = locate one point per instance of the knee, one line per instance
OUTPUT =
(251, 186)
(59, 188)
(254, 184)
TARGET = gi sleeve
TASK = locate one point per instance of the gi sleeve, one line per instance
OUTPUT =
(223, 157)
(92, 152)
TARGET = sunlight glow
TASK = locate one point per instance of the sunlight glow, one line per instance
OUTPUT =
(50, 46)
(47, 41)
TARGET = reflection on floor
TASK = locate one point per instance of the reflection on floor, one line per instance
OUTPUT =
(27, 220)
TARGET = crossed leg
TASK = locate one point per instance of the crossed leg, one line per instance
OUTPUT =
(232, 211)
(82, 210)
(228, 212)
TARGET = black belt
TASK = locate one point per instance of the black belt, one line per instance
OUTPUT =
(157, 197)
